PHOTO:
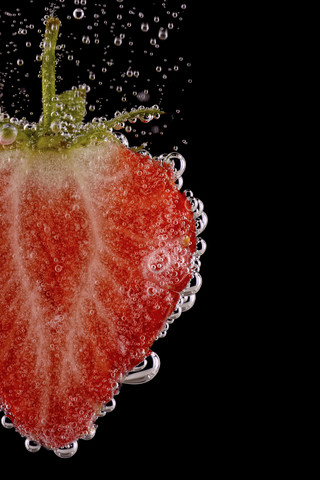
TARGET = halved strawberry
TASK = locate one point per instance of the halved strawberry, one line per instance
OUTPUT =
(96, 244)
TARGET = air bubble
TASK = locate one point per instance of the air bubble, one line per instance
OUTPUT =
(32, 446)
(151, 291)
(46, 44)
(158, 261)
(163, 33)
(108, 407)
(143, 96)
(117, 41)
(6, 422)
(56, 126)
(90, 434)
(144, 26)
(67, 452)
(8, 134)
(78, 13)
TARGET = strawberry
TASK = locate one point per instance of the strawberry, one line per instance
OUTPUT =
(96, 244)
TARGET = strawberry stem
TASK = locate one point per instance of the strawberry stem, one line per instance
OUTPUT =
(48, 71)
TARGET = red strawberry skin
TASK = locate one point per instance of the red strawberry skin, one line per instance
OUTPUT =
(95, 247)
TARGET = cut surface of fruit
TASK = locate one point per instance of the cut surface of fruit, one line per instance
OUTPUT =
(95, 247)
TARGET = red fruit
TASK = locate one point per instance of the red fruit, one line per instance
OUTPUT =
(96, 243)
(95, 247)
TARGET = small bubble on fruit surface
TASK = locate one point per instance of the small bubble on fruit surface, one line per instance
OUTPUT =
(8, 134)
(56, 126)
(151, 291)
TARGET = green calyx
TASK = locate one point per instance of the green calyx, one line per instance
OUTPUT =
(62, 124)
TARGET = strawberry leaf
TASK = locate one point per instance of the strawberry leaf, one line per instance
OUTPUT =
(71, 105)
(144, 114)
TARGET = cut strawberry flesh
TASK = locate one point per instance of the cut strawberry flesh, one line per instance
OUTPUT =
(95, 247)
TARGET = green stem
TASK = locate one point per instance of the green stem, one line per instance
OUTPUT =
(48, 71)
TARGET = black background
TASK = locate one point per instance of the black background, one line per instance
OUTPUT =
(159, 426)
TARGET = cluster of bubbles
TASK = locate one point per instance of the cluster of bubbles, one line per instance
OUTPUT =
(8, 134)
